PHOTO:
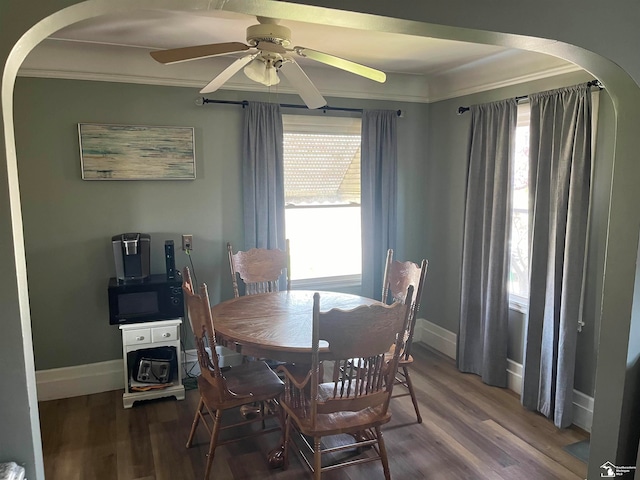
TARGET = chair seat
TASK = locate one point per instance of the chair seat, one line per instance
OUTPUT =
(334, 423)
(253, 381)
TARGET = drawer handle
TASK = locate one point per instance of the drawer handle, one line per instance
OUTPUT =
(139, 338)
(166, 335)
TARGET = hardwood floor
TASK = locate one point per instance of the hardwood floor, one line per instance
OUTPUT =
(469, 431)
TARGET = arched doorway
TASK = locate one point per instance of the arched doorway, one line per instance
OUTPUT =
(618, 288)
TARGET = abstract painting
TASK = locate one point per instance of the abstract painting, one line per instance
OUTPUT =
(136, 152)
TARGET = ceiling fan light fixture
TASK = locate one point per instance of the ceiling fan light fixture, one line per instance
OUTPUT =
(262, 71)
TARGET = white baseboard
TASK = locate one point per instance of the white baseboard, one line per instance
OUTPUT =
(514, 376)
(445, 342)
(582, 410)
(80, 380)
(438, 338)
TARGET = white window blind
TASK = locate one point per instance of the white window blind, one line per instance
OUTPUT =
(321, 160)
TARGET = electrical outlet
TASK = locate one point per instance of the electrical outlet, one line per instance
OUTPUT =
(187, 242)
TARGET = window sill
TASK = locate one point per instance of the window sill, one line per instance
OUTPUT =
(518, 304)
(327, 283)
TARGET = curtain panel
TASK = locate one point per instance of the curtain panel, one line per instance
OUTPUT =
(378, 166)
(263, 176)
(559, 186)
(484, 302)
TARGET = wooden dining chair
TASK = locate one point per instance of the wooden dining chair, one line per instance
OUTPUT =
(356, 401)
(259, 269)
(398, 276)
(220, 391)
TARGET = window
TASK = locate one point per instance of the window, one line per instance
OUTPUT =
(322, 197)
(519, 240)
(519, 244)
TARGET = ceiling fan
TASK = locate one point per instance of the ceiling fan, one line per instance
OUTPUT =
(269, 54)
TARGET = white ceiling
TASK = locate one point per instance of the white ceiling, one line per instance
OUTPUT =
(116, 48)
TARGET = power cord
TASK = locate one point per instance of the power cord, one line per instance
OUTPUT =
(193, 271)
(189, 379)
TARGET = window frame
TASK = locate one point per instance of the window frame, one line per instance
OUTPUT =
(314, 124)
(520, 303)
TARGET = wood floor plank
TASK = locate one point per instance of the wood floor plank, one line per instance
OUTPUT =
(100, 457)
(470, 431)
(74, 433)
(546, 466)
(167, 445)
(135, 458)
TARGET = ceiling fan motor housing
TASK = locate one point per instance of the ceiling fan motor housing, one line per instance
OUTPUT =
(268, 32)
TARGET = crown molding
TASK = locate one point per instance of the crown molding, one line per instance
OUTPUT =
(109, 63)
(515, 80)
(333, 92)
(189, 83)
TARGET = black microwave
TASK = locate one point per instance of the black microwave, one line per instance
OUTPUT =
(155, 298)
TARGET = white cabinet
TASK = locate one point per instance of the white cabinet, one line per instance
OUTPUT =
(150, 335)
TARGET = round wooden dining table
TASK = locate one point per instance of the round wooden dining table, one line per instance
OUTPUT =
(276, 325)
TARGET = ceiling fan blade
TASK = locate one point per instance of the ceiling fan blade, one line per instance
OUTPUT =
(299, 80)
(348, 65)
(227, 73)
(176, 55)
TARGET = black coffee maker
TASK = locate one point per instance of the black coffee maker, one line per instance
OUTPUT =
(131, 254)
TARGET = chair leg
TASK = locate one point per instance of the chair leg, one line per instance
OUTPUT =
(214, 440)
(317, 459)
(277, 456)
(412, 392)
(194, 425)
(286, 439)
(383, 454)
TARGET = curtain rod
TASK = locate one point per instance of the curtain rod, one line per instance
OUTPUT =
(592, 83)
(244, 103)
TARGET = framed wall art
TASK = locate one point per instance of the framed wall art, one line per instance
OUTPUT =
(136, 152)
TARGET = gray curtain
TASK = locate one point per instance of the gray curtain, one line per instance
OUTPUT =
(378, 163)
(263, 176)
(559, 186)
(484, 302)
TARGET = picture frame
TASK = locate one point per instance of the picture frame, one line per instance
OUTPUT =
(136, 152)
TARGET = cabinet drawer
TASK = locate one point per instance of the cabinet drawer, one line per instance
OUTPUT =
(136, 337)
(164, 334)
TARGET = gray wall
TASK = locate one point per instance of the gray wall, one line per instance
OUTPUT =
(68, 222)
(444, 205)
